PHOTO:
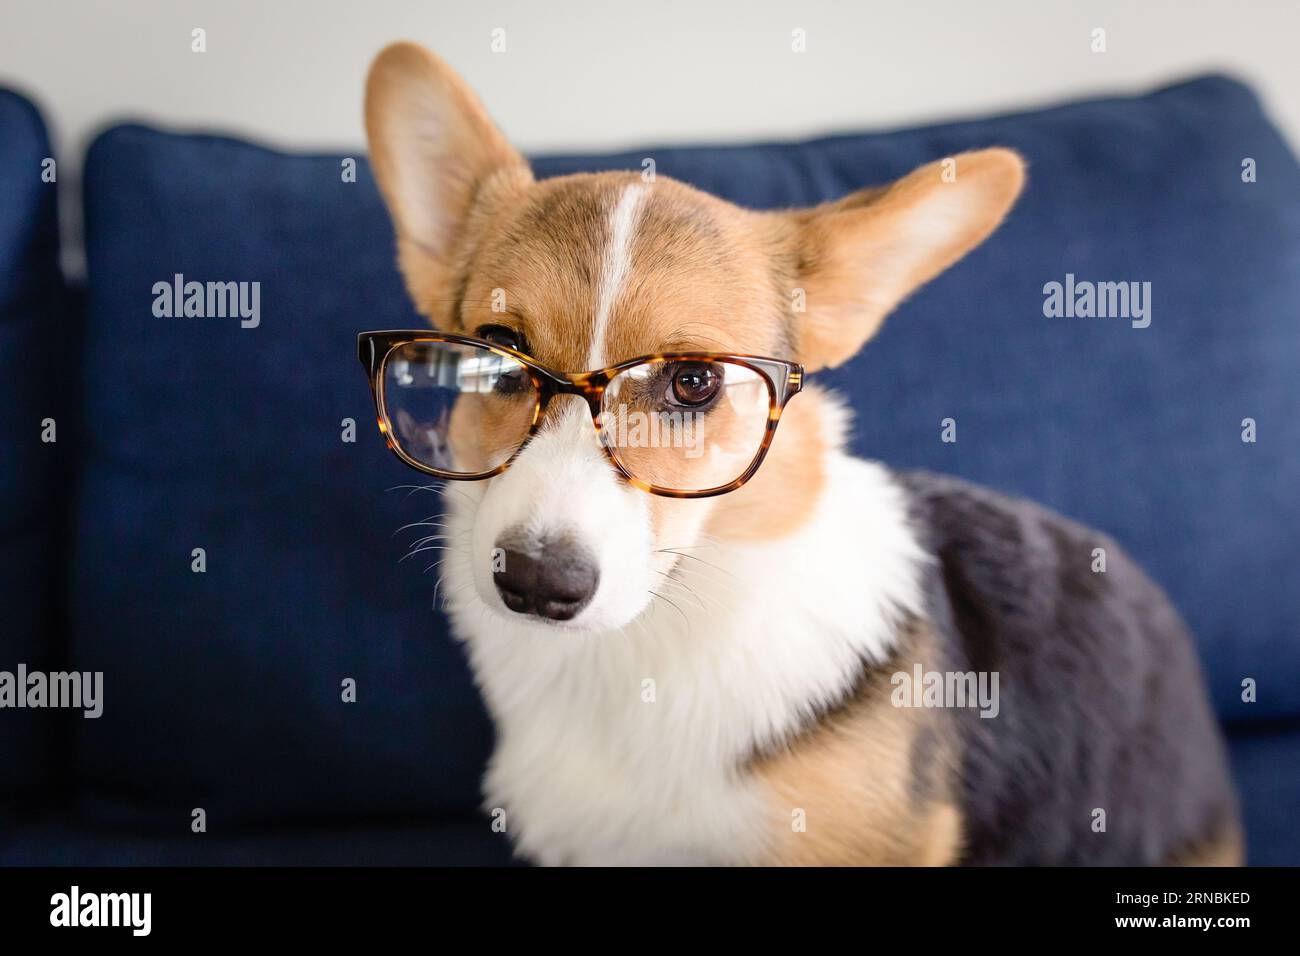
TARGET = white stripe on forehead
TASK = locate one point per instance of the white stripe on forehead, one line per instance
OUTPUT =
(614, 266)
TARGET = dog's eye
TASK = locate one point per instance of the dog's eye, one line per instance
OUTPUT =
(512, 378)
(500, 335)
(694, 384)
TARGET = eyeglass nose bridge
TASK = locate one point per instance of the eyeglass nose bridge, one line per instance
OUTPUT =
(586, 385)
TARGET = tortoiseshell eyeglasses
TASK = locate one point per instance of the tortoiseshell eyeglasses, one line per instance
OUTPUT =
(678, 424)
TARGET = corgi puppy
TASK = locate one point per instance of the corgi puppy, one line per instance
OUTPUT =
(689, 663)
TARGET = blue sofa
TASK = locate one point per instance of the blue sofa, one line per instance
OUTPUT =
(222, 686)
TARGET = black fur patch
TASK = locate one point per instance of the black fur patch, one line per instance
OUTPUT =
(1102, 701)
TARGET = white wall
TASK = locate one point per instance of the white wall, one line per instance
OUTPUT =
(582, 74)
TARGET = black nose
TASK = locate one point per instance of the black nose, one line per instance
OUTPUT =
(554, 579)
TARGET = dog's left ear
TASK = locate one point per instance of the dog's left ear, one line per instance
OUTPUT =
(861, 256)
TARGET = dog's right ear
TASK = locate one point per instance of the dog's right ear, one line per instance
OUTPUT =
(860, 256)
(442, 166)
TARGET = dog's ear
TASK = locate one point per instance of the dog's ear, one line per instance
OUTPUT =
(441, 164)
(859, 257)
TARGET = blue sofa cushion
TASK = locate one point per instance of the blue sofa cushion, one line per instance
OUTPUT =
(32, 313)
(223, 687)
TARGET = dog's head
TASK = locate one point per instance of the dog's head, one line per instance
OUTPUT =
(586, 271)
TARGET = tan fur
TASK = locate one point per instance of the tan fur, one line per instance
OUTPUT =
(873, 780)
(779, 498)
(698, 280)
(1224, 848)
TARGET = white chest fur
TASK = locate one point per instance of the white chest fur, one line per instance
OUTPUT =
(629, 747)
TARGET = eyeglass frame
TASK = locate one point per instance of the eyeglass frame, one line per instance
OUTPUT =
(784, 380)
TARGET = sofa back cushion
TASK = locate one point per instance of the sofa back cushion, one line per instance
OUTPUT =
(33, 330)
(239, 561)
(232, 445)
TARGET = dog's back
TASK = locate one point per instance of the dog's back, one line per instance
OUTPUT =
(1105, 750)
